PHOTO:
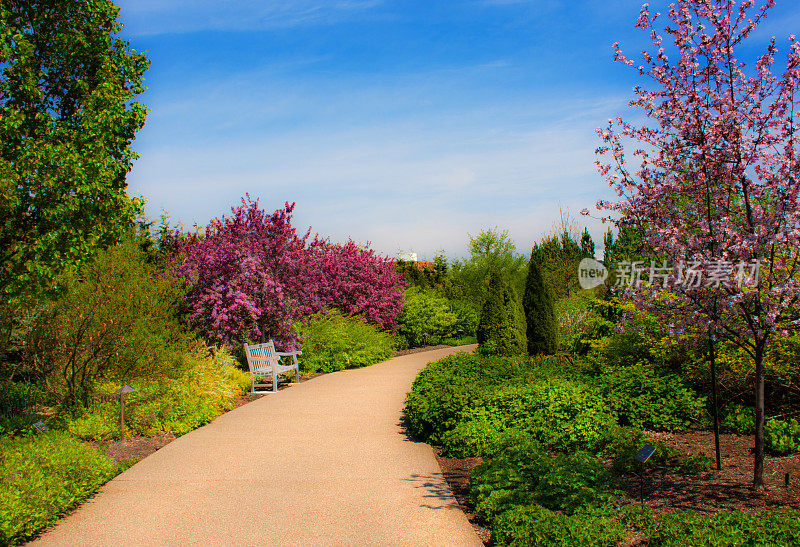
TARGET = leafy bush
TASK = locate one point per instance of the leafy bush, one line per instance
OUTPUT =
(19, 397)
(568, 415)
(691, 465)
(467, 315)
(738, 418)
(205, 389)
(782, 437)
(115, 316)
(426, 318)
(646, 399)
(41, 477)
(558, 413)
(459, 341)
(573, 316)
(623, 350)
(335, 342)
(522, 473)
(689, 529)
(533, 525)
(446, 387)
(501, 328)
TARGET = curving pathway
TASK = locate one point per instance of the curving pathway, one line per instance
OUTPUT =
(325, 462)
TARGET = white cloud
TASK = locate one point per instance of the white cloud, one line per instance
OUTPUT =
(143, 17)
(418, 185)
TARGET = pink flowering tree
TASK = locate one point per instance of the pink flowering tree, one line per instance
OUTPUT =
(253, 277)
(356, 281)
(714, 179)
(250, 276)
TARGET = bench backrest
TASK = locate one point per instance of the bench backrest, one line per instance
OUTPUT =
(261, 357)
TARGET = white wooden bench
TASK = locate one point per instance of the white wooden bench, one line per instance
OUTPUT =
(265, 362)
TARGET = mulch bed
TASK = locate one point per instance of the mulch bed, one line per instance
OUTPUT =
(728, 489)
(707, 492)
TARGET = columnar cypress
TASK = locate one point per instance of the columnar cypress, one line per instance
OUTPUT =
(540, 317)
(501, 329)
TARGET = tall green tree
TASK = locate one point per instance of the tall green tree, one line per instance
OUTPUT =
(490, 249)
(540, 317)
(501, 328)
(67, 121)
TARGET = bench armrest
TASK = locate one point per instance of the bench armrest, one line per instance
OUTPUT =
(288, 353)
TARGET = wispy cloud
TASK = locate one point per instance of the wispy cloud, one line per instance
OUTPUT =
(144, 17)
(420, 184)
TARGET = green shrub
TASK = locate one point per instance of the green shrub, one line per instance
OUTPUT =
(41, 477)
(533, 525)
(467, 315)
(736, 418)
(426, 318)
(540, 319)
(782, 437)
(558, 413)
(465, 402)
(501, 328)
(623, 350)
(568, 415)
(335, 342)
(645, 399)
(18, 397)
(691, 465)
(206, 388)
(114, 316)
(689, 529)
(459, 341)
(621, 444)
(578, 324)
(522, 473)
(445, 388)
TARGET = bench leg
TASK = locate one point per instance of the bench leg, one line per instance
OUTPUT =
(274, 381)
(252, 385)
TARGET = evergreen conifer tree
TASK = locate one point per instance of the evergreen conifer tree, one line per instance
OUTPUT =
(501, 329)
(540, 317)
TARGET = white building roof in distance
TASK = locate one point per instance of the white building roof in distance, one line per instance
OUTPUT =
(408, 256)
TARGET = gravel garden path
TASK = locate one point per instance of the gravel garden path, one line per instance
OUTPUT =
(325, 462)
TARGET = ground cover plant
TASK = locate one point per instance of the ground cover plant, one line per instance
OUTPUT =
(43, 475)
(558, 448)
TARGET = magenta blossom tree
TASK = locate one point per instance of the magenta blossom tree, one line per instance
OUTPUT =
(252, 277)
(356, 281)
(714, 182)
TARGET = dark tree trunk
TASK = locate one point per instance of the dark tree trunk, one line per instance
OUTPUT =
(713, 362)
(758, 467)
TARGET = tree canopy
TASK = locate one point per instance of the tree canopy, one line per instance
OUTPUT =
(67, 121)
(715, 185)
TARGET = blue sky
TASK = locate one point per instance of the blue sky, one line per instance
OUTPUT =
(405, 124)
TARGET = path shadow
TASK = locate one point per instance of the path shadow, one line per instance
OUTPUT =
(437, 488)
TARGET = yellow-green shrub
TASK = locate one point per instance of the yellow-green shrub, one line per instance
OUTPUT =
(205, 389)
(42, 476)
